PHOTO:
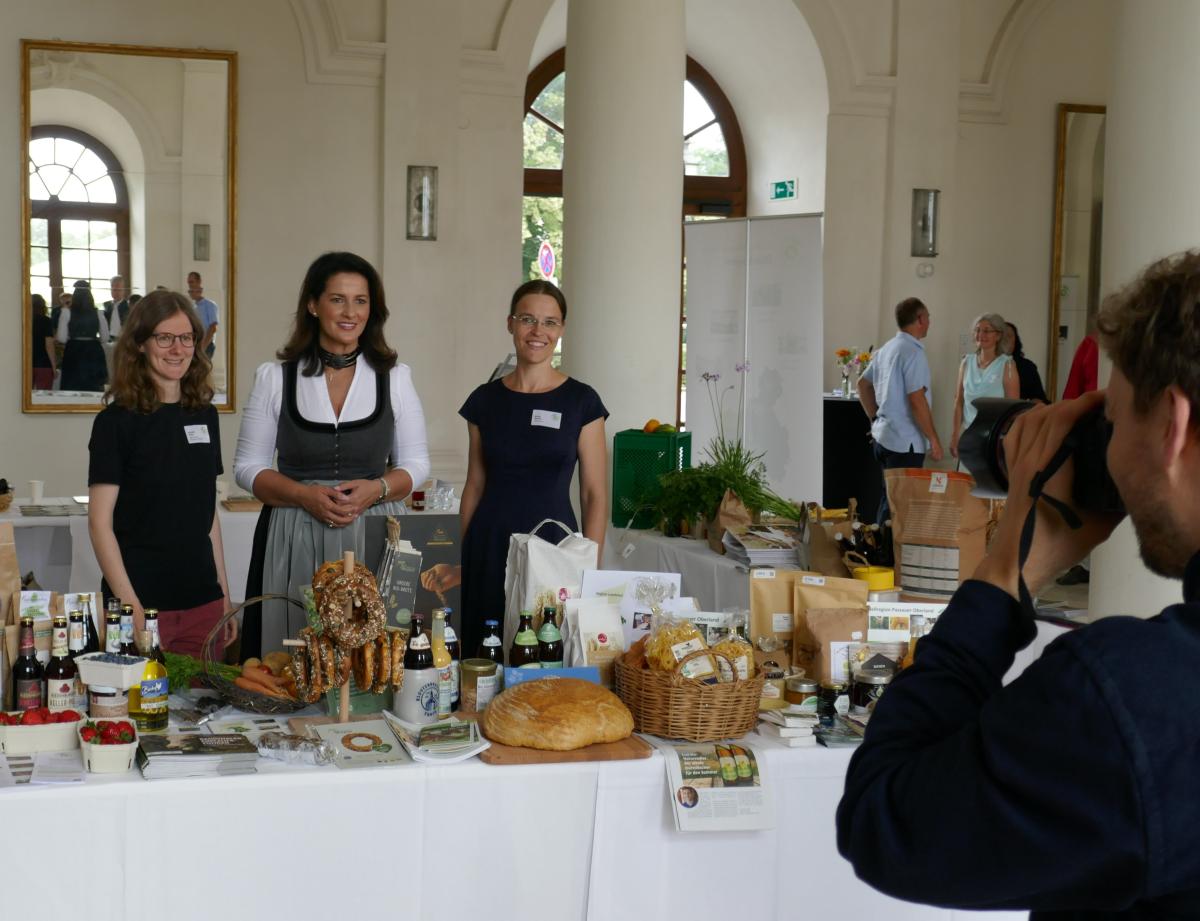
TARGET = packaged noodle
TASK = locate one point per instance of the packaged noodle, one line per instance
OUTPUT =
(671, 640)
(737, 649)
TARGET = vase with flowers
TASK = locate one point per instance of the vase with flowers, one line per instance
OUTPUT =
(852, 363)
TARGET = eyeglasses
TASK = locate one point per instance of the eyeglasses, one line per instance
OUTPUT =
(987, 331)
(529, 322)
(166, 340)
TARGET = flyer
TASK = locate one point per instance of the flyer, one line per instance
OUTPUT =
(635, 593)
(721, 786)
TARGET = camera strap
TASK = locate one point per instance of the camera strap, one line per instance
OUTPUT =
(1069, 516)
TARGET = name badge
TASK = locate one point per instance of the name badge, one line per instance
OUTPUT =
(546, 418)
(197, 434)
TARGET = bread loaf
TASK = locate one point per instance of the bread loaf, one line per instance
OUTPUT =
(557, 714)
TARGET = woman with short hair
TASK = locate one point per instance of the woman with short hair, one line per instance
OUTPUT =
(986, 372)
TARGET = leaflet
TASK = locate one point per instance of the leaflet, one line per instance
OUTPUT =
(720, 786)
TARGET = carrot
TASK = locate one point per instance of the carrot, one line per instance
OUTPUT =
(261, 678)
(247, 685)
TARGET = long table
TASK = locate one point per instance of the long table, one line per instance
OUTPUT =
(593, 840)
(715, 580)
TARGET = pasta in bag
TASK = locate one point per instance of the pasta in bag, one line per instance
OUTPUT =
(738, 651)
(671, 640)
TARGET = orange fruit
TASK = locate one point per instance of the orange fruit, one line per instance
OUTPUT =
(650, 426)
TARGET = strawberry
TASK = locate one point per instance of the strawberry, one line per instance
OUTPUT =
(70, 716)
(125, 726)
(5, 720)
(87, 733)
(33, 717)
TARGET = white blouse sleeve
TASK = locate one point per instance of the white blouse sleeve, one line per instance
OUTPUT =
(64, 317)
(410, 449)
(260, 422)
(103, 327)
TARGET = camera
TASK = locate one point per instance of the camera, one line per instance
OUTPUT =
(981, 450)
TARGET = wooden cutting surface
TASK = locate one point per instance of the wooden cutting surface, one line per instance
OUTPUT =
(625, 750)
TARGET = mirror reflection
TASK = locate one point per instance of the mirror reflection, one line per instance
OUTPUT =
(129, 188)
(1078, 224)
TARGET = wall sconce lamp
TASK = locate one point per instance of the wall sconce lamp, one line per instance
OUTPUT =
(422, 202)
(924, 221)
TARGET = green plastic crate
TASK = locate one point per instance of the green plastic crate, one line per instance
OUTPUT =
(639, 459)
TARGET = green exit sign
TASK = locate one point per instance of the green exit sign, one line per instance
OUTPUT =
(784, 188)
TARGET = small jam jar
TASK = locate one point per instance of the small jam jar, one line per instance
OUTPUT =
(107, 703)
(867, 688)
(801, 692)
(830, 701)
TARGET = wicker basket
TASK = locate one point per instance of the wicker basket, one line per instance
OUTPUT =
(669, 705)
(230, 692)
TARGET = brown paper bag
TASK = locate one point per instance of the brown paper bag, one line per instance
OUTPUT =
(814, 592)
(824, 555)
(939, 531)
(731, 513)
(772, 620)
(823, 648)
(10, 574)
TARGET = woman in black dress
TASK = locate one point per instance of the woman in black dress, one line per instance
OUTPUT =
(527, 430)
(1027, 372)
(81, 329)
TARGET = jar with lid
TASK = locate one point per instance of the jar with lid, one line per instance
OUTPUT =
(832, 700)
(107, 703)
(867, 688)
(802, 693)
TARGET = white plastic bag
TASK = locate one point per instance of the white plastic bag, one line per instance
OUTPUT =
(540, 572)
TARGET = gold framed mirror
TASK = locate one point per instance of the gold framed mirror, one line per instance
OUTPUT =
(1078, 226)
(130, 186)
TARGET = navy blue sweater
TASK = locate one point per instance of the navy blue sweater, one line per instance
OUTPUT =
(1073, 792)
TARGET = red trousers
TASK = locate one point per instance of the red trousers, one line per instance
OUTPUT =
(185, 631)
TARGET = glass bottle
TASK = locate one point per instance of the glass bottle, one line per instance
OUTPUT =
(492, 647)
(550, 646)
(28, 674)
(77, 646)
(91, 639)
(417, 699)
(112, 629)
(728, 765)
(452, 647)
(441, 661)
(128, 646)
(60, 671)
(148, 697)
(524, 651)
(916, 629)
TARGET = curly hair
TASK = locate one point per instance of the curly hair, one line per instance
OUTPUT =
(132, 386)
(1151, 330)
(304, 339)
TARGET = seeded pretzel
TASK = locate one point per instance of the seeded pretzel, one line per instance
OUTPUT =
(383, 663)
(367, 617)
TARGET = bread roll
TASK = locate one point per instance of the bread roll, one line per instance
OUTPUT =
(557, 714)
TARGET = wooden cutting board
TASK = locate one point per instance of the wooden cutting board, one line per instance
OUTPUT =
(625, 750)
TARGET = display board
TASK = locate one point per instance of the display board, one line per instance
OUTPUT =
(754, 296)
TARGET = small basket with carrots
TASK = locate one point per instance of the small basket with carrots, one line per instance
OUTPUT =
(264, 686)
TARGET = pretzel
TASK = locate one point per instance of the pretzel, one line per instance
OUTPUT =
(364, 667)
(316, 674)
(383, 659)
(300, 672)
(330, 671)
(399, 644)
(367, 616)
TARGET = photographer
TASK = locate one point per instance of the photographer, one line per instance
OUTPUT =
(1071, 791)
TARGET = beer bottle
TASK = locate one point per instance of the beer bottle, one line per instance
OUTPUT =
(492, 646)
(148, 697)
(91, 639)
(550, 646)
(441, 661)
(60, 670)
(741, 760)
(27, 672)
(112, 629)
(77, 646)
(417, 699)
(455, 651)
(128, 646)
(916, 629)
(728, 766)
(524, 652)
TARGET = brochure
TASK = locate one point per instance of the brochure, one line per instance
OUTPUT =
(362, 743)
(250, 726)
(58, 767)
(441, 743)
(717, 787)
(636, 593)
(890, 621)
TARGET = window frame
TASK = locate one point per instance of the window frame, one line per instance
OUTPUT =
(55, 211)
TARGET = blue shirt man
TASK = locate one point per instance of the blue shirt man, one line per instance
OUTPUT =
(207, 311)
(895, 394)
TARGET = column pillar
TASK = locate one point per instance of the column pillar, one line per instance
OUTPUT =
(623, 190)
(1151, 209)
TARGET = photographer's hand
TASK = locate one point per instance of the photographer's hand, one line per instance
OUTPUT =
(1029, 447)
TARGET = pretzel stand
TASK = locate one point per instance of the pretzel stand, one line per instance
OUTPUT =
(344, 689)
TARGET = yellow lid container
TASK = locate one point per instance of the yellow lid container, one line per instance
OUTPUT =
(878, 578)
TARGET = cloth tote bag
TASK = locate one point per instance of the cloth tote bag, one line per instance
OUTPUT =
(539, 572)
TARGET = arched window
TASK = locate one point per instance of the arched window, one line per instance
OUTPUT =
(79, 208)
(714, 167)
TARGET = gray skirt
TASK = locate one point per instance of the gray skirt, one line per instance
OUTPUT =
(297, 544)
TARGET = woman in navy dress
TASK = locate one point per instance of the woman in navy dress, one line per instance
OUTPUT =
(527, 431)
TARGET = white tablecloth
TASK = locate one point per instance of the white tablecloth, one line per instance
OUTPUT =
(589, 841)
(717, 581)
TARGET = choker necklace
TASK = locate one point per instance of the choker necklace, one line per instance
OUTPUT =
(337, 362)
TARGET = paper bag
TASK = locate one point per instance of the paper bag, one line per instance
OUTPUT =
(814, 592)
(772, 617)
(939, 531)
(542, 573)
(731, 513)
(823, 650)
